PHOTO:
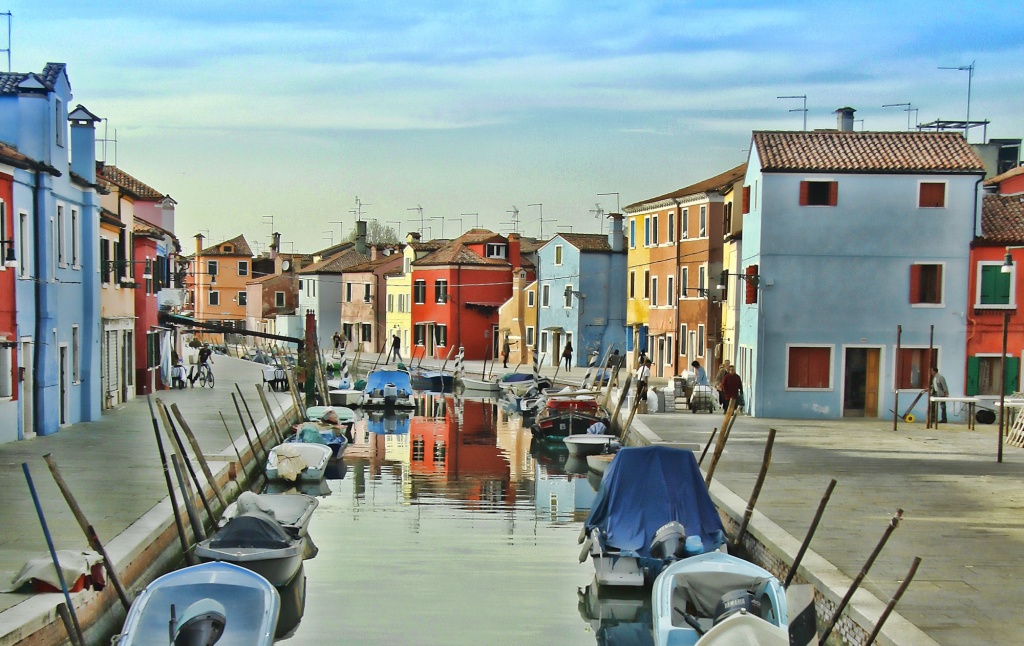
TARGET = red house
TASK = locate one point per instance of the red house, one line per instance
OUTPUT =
(9, 159)
(995, 293)
(457, 290)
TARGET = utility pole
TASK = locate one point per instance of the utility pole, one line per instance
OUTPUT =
(804, 109)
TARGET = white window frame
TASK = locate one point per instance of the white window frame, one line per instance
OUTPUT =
(243, 267)
(702, 281)
(670, 287)
(58, 122)
(670, 355)
(632, 285)
(76, 355)
(702, 223)
(632, 233)
(441, 290)
(76, 239)
(213, 295)
(24, 244)
(942, 289)
(684, 225)
(62, 236)
(654, 231)
(558, 255)
(543, 343)
(671, 217)
(496, 250)
(415, 289)
(531, 298)
(6, 373)
(701, 340)
(684, 282)
(348, 292)
(280, 299)
(977, 292)
(945, 194)
(367, 293)
(831, 366)
(530, 335)
(683, 332)
(545, 295)
(391, 302)
(654, 291)
(567, 297)
(243, 298)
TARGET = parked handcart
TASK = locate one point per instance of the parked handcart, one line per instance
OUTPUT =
(702, 398)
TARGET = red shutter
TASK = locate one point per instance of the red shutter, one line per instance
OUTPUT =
(833, 193)
(751, 284)
(803, 193)
(746, 199)
(915, 283)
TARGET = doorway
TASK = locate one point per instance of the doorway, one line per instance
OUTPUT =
(28, 389)
(861, 378)
(661, 357)
(64, 404)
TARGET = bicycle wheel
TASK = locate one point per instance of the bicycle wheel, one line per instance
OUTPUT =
(202, 378)
(209, 377)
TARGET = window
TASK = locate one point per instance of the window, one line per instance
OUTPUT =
(819, 193)
(419, 292)
(531, 298)
(654, 291)
(391, 302)
(545, 295)
(419, 334)
(752, 280)
(4, 235)
(654, 230)
(809, 367)
(152, 350)
(6, 372)
(243, 267)
(278, 299)
(105, 265)
(366, 292)
(568, 296)
(529, 336)
(346, 330)
(671, 348)
(300, 286)
(367, 332)
(700, 341)
(746, 199)
(211, 270)
(670, 294)
(984, 374)
(671, 227)
(682, 340)
(684, 282)
(496, 249)
(441, 291)
(348, 292)
(441, 335)
(702, 285)
(76, 354)
(912, 368)
(24, 246)
(703, 222)
(543, 342)
(931, 195)
(61, 237)
(647, 232)
(684, 225)
(632, 233)
(227, 248)
(727, 226)
(632, 284)
(407, 265)
(75, 237)
(58, 124)
(558, 255)
(214, 298)
(243, 298)
(401, 302)
(996, 286)
(647, 284)
(925, 284)
(313, 283)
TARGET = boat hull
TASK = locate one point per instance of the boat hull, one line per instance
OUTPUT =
(563, 424)
(314, 456)
(279, 566)
(582, 445)
(480, 385)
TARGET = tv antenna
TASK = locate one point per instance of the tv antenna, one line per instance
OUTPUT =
(599, 214)
(419, 209)
(358, 211)
(476, 219)
(341, 230)
(970, 75)
(515, 219)
(906, 108)
(541, 205)
(10, 19)
(106, 139)
(803, 109)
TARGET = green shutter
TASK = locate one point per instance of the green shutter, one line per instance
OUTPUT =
(1003, 287)
(972, 376)
(995, 286)
(1010, 383)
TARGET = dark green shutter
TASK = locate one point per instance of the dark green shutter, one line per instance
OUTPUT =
(1011, 380)
(972, 376)
(995, 286)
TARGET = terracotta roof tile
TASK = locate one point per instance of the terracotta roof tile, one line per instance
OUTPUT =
(337, 263)
(9, 81)
(1002, 219)
(115, 175)
(1013, 172)
(238, 245)
(587, 241)
(10, 155)
(866, 152)
(477, 236)
(529, 245)
(718, 183)
(370, 265)
(456, 253)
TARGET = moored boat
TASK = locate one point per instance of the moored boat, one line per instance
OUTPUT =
(435, 381)
(292, 511)
(652, 508)
(489, 386)
(256, 541)
(717, 598)
(298, 461)
(584, 444)
(388, 389)
(568, 415)
(206, 601)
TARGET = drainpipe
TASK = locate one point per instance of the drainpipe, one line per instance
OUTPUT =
(38, 407)
(974, 224)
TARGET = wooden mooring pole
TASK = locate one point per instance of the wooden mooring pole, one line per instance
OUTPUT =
(189, 556)
(810, 533)
(895, 599)
(765, 463)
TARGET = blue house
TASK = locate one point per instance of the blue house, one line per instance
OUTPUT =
(56, 234)
(582, 294)
(848, 237)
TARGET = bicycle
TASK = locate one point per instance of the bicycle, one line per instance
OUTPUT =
(205, 375)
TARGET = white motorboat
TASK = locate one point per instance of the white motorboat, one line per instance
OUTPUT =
(211, 601)
(584, 444)
(291, 511)
(256, 541)
(480, 385)
(298, 461)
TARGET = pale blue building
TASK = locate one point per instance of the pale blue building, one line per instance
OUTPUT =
(848, 237)
(582, 294)
(56, 232)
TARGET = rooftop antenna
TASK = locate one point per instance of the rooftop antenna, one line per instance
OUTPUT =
(906, 108)
(541, 205)
(515, 218)
(10, 19)
(329, 232)
(272, 229)
(599, 214)
(803, 109)
(341, 229)
(358, 211)
(970, 75)
(476, 220)
(418, 208)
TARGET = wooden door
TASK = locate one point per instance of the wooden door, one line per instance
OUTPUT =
(871, 382)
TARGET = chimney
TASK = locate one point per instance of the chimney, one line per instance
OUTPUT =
(412, 237)
(373, 252)
(83, 143)
(275, 245)
(615, 240)
(361, 236)
(844, 119)
(199, 244)
(514, 245)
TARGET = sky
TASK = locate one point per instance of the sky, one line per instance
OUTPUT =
(258, 116)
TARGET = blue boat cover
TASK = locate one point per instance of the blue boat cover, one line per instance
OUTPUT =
(646, 487)
(515, 377)
(389, 424)
(380, 378)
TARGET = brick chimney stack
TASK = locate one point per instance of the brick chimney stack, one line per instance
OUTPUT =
(514, 246)
(361, 236)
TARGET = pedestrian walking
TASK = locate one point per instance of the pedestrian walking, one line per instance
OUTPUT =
(396, 347)
(732, 388)
(643, 373)
(337, 341)
(939, 389)
(723, 370)
(700, 376)
(506, 350)
(567, 355)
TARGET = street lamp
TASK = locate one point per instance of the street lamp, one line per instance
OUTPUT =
(1007, 268)
(9, 259)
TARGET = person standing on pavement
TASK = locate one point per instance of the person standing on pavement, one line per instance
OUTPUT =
(567, 355)
(396, 346)
(732, 388)
(940, 389)
(337, 341)
(723, 370)
(700, 376)
(506, 350)
(643, 373)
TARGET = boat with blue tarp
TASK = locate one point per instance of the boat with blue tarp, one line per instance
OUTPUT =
(388, 389)
(652, 509)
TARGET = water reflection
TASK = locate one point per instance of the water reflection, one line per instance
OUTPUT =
(293, 606)
(619, 618)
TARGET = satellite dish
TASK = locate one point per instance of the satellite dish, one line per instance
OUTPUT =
(286, 265)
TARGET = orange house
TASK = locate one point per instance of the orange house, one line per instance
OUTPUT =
(216, 281)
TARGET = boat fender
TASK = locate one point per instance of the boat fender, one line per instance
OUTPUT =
(585, 551)
(693, 546)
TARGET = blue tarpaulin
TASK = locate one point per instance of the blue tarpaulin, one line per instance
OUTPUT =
(646, 487)
(380, 378)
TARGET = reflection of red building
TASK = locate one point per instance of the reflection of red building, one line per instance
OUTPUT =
(464, 454)
(993, 292)
(457, 290)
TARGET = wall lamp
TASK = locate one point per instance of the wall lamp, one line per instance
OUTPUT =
(147, 273)
(752, 279)
(9, 259)
(1007, 267)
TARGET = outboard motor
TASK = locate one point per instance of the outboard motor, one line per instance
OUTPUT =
(390, 394)
(669, 541)
(736, 601)
(202, 624)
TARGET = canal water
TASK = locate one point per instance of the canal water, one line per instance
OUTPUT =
(443, 528)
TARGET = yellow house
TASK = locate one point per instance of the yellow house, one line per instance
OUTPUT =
(732, 248)
(517, 320)
(638, 284)
(398, 317)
